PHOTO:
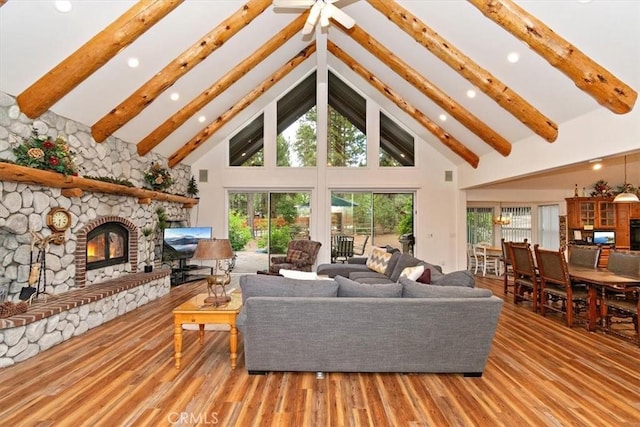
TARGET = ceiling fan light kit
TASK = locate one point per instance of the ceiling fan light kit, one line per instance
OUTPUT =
(321, 10)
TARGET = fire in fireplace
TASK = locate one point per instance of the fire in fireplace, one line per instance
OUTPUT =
(107, 245)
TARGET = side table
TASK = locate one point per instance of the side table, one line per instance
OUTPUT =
(196, 311)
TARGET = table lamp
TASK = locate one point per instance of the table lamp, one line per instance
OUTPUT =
(216, 250)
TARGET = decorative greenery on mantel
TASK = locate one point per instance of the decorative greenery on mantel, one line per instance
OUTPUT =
(73, 186)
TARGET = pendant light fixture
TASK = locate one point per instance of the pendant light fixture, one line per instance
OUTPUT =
(501, 219)
(626, 196)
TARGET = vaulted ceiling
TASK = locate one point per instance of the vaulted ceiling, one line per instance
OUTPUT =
(228, 59)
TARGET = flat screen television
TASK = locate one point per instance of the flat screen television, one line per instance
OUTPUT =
(604, 237)
(181, 242)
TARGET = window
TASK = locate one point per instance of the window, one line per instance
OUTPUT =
(396, 144)
(520, 226)
(346, 126)
(246, 148)
(479, 225)
(297, 118)
(549, 226)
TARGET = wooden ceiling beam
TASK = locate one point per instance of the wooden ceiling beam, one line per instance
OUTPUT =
(457, 111)
(588, 75)
(214, 126)
(467, 68)
(177, 68)
(238, 71)
(62, 79)
(447, 139)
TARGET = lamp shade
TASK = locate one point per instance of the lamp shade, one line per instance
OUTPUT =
(626, 198)
(213, 249)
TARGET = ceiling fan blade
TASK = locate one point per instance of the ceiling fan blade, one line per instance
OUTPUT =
(337, 14)
(314, 13)
(293, 3)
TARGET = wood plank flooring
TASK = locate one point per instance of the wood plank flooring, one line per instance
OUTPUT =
(540, 373)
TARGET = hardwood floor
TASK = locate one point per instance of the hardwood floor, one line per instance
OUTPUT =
(539, 373)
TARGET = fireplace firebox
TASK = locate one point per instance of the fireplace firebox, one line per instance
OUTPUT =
(107, 245)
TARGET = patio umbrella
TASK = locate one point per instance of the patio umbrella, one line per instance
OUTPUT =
(339, 201)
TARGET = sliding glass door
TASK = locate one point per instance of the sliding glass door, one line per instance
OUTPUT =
(371, 219)
(262, 224)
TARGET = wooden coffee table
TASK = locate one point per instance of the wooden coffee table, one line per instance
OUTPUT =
(196, 311)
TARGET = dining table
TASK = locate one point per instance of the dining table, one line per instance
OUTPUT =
(603, 280)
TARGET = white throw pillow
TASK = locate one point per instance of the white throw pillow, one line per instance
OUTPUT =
(300, 275)
(413, 273)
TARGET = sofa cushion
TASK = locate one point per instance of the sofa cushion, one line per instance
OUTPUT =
(349, 288)
(296, 256)
(378, 260)
(261, 285)
(411, 289)
(455, 278)
(413, 273)
(364, 275)
(425, 277)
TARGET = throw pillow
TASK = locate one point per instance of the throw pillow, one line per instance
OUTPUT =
(455, 278)
(425, 277)
(349, 288)
(378, 260)
(413, 273)
(295, 256)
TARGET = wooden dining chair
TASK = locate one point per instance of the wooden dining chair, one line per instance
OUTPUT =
(526, 283)
(584, 256)
(557, 293)
(622, 308)
(506, 262)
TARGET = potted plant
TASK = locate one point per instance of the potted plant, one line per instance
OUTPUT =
(148, 233)
(192, 188)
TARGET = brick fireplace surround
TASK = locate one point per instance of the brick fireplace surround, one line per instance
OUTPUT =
(81, 245)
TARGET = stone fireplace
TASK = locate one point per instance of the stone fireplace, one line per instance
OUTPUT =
(108, 242)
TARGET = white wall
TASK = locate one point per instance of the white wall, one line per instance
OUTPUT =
(437, 206)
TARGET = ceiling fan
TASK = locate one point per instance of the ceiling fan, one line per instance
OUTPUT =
(321, 10)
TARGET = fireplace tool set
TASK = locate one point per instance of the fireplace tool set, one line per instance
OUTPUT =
(38, 269)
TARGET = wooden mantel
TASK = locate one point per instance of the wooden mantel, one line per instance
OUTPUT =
(73, 186)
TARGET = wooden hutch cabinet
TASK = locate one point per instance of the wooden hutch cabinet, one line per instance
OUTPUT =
(586, 214)
(591, 213)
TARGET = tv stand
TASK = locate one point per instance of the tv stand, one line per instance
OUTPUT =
(188, 272)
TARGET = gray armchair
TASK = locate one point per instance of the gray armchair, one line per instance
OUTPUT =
(301, 255)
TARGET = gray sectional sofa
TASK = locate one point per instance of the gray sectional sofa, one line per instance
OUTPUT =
(338, 325)
(356, 269)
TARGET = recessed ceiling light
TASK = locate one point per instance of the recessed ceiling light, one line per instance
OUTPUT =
(201, 119)
(443, 117)
(513, 57)
(583, 1)
(597, 166)
(63, 6)
(471, 93)
(175, 96)
(133, 62)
